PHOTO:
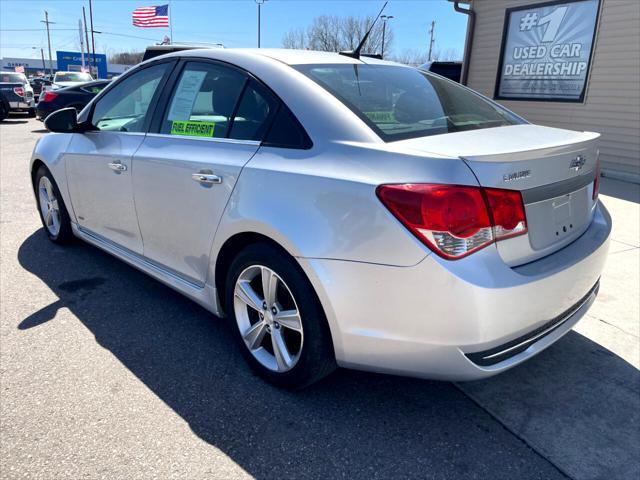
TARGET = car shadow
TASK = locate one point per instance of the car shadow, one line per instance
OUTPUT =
(13, 122)
(40, 130)
(352, 424)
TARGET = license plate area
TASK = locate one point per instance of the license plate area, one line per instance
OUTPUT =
(560, 218)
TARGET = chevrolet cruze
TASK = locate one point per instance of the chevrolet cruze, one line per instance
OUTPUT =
(338, 211)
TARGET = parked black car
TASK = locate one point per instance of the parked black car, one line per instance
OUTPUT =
(450, 70)
(37, 83)
(77, 97)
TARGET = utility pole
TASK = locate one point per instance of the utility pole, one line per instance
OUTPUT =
(44, 66)
(259, 2)
(431, 31)
(86, 34)
(93, 43)
(47, 22)
(384, 29)
(81, 42)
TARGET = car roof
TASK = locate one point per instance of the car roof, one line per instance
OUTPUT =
(282, 55)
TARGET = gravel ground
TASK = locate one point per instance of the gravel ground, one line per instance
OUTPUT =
(106, 373)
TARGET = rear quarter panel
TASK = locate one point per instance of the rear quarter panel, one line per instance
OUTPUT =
(321, 203)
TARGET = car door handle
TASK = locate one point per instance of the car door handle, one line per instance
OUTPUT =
(117, 167)
(206, 178)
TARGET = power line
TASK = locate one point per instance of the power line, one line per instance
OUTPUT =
(128, 36)
(37, 29)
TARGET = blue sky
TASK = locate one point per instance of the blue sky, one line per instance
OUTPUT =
(232, 22)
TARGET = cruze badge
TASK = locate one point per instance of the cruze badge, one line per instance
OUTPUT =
(577, 163)
(509, 177)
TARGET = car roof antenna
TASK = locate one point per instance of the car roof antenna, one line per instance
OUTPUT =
(356, 53)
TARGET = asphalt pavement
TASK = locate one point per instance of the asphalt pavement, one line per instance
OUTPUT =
(106, 373)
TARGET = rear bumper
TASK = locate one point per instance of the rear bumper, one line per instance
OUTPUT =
(442, 319)
(22, 105)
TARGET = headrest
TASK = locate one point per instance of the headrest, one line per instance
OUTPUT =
(415, 105)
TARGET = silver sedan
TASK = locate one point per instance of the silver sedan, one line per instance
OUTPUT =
(338, 211)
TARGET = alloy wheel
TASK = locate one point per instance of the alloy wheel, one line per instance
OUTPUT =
(268, 318)
(49, 206)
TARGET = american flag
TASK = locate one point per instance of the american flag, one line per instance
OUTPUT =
(150, 17)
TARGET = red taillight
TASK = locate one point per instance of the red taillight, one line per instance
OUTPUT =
(49, 96)
(596, 182)
(507, 211)
(18, 91)
(455, 221)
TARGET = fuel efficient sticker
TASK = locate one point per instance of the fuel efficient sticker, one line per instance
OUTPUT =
(192, 129)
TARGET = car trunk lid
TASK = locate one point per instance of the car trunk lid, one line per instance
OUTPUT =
(554, 170)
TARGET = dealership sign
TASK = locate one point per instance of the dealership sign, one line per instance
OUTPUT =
(546, 51)
(72, 62)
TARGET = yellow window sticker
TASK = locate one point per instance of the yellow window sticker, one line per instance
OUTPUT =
(192, 129)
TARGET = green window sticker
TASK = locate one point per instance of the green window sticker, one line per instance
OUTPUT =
(381, 117)
(192, 129)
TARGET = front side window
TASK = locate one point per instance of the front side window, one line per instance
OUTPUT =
(125, 107)
(401, 102)
(203, 101)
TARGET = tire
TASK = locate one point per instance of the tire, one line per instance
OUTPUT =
(63, 234)
(32, 113)
(310, 350)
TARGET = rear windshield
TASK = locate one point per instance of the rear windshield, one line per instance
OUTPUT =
(12, 78)
(72, 77)
(401, 102)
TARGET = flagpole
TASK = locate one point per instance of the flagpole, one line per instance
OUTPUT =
(170, 23)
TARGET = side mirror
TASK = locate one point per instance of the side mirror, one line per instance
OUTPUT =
(63, 121)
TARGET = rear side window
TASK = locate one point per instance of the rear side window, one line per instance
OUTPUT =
(256, 107)
(203, 101)
(286, 131)
(94, 89)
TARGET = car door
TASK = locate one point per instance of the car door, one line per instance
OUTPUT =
(184, 173)
(98, 162)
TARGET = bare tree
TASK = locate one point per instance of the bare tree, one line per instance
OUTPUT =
(419, 57)
(126, 58)
(330, 33)
(410, 57)
(448, 55)
(296, 39)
